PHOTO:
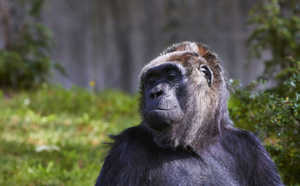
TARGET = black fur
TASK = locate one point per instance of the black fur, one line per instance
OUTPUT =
(186, 136)
(236, 158)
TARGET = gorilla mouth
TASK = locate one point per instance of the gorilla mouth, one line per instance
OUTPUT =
(160, 118)
(158, 109)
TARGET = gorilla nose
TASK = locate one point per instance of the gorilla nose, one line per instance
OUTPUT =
(156, 94)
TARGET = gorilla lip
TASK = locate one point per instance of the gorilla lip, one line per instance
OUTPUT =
(159, 109)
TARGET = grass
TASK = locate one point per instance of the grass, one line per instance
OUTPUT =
(54, 136)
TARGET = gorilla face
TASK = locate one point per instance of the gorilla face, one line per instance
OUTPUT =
(177, 98)
(164, 85)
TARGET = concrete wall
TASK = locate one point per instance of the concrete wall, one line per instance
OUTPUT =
(109, 41)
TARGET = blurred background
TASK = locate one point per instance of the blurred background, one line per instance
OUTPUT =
(69, 77)
(109, 42)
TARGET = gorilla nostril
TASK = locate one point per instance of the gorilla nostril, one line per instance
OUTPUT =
(156, 95)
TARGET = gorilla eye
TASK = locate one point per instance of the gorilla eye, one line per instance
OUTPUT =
(207, 73)
(173, 74)
(171, 77)
(151, 82)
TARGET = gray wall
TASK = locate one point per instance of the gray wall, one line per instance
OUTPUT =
(109, 41)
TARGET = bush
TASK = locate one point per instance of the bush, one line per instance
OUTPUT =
(277, 30)
(25, 62)
(274, 112)
(276, 118)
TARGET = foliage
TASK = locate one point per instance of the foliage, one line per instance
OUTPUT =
(274, 112)
(53, 136)
(276, 117)
(277, 30)
(25, 62)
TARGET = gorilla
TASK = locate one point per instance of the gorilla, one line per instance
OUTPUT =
(186, 136)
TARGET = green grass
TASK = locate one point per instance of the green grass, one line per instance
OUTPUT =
(54, 136)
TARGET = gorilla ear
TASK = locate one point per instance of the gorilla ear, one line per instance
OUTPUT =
(207, 73)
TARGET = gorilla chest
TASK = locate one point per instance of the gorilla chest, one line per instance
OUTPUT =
(184, 169)
(179, 172)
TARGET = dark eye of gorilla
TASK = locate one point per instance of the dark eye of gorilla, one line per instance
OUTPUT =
(207, 73)
(151, 81)
(169, 72)
(173, 76)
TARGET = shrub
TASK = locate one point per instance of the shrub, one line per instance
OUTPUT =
(276, 118)
(274, 112)
(24, 61)
(277, 30)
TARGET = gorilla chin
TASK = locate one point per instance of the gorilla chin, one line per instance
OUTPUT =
(159, 119)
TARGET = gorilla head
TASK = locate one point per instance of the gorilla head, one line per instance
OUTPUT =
(184, 96)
